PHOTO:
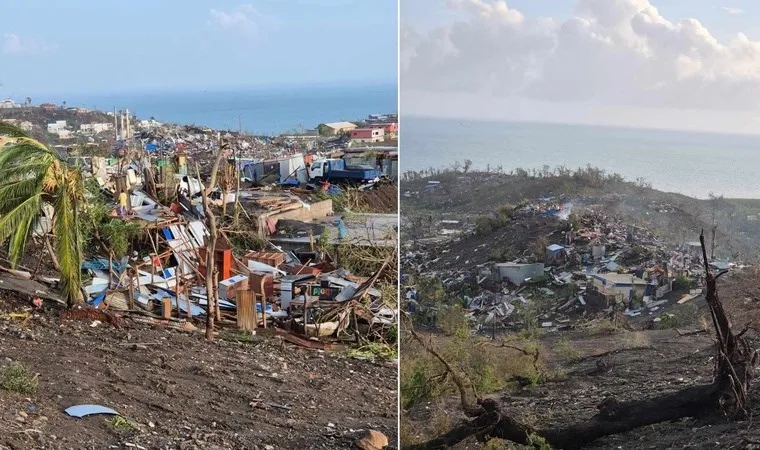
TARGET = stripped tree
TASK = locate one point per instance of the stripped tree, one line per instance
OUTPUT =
(211, 270)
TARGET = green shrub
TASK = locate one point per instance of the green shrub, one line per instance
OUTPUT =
(453, 321)
(681, 282)
(15, 377)
(416, 386)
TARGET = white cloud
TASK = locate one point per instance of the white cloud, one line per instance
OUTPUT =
(244, 20)
(14, 45)
(732, 11)
(610, 52)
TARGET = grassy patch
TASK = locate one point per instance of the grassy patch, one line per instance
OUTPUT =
(243, 336)
(602, 327)
(680, 316)
(375, 350)
(637, 339)
(16, 377)
(564, 348)
(122, 424)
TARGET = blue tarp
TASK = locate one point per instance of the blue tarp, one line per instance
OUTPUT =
(102, 264)
(151, 147)
(269, 308)
(98, 300)
(333, 190)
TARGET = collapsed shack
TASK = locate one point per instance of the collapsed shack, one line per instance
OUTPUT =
(300, 287)
(166, 284)
(728, 394)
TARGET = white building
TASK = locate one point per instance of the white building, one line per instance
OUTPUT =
(367, 135)
(339, 127)
(8, 103)
(95, 128)
(619, 285)
(149, 124)
(56, 127)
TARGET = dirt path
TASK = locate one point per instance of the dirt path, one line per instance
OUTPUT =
(182, 392)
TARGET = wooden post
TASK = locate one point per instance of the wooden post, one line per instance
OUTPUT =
(166, 307)
(131, 299)
(264, 300)
(178, 275)
(216, 295)
(246, 310)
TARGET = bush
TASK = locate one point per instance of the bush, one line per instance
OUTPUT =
(565, 349)
(667, 321)
(15, 377)
(416, 387)
(453, 322)
(682, 282)
(119, 234)
(483, 225)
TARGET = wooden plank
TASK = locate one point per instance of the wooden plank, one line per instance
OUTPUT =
(246, 310)
(166, 308)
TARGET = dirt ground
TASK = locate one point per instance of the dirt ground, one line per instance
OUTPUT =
(642, 363)
(182, 392)
(383, 199)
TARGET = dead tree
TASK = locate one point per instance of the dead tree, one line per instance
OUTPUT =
(736, 361)
(211, 292)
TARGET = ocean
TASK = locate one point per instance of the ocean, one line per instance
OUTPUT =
(259, 111)
(694, 164)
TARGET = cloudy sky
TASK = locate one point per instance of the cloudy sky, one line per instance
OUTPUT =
(76, 46)
(681, 64)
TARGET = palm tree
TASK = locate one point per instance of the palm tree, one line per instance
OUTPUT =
(32, 175)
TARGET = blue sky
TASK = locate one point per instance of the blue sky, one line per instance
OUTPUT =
(677, 64)
(78, 46)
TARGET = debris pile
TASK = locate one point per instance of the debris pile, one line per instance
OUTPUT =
(592, 262)
(280, 251)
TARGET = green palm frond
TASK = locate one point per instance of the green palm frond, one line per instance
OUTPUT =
(14, 192)
(67, 232)
(26, 151)
(31, 175)
(19, 218)
(12, 131)
(20, 237)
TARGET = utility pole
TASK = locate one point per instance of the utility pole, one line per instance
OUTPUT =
(238, 172)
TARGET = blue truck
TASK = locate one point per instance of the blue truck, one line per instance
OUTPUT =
(336, 171)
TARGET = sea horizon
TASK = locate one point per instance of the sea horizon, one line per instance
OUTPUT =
(255, 110)
(691, 163)
(414, 116)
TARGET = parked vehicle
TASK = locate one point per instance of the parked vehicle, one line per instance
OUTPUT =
(336, 171)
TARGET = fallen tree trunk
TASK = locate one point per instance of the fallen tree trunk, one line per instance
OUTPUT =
(728, 394)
